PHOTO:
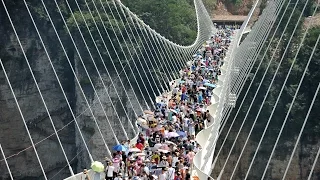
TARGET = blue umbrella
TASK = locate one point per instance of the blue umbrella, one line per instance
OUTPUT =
(210, 85)
(182, 134)
(119, 147)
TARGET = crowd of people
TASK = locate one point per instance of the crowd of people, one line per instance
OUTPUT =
(166, 144)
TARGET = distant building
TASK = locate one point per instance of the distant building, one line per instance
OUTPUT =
(228, 19)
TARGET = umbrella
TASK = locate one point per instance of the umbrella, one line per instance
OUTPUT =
(157, 146)
(134, 150)
(182, 134)
(172, 134)
(141, 121)
(140, 154)
(170, 142)
(119, 147)
(163, 150)
(203, 88)
(165, 147)
(97, 166)
(116, 160)
(210, 85)
(181, 82)
(148, 112)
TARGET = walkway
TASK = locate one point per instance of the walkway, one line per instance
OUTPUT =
(166, 145)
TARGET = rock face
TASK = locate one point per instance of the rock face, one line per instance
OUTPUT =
(14, 139)
(299, 168)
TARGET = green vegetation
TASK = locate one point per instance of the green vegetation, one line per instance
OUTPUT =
(174, 19)
(210, 5)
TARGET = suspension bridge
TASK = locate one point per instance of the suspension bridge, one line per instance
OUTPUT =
(127, 67)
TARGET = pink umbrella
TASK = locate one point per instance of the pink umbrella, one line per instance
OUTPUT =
(165, 147)
(116, 160)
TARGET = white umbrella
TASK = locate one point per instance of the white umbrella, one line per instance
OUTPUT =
(172, 134)
(163, 150)
(141, 121)
(134, 150)
(148, 112)
(140, 154)
(170, 142)
(203, 88)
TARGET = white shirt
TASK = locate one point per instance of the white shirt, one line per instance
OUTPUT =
(109, 170)
(174, 119)
(174, 160)
(186, 120)
(163, 176)
(118, 178)
(163, 163)
(146, 169)
(170, 173)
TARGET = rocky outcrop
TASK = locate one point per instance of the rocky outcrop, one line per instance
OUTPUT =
(13, 135)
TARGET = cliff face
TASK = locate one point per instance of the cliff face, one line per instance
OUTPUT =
(308, 146)
(13, 135)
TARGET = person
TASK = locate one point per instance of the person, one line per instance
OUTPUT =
(163, 162)
(163, 175)
(178, 176)
(119, 177)
(187, 174)
(109, 171)
(170, 173)
(146, 169)
(85, 175)
(143, 176)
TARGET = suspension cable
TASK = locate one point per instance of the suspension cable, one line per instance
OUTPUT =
(143, 46)
(105, 67)
(77, 80)
(4, 156)
(167, 62)
(314, 164)
(112, 27)
(130, 54)
(245, 118)
(135, 49)
(280, 93)
(265, 97)
(123, 67)
(86, 45)
(143, 30)
(284, 122)
(162, 62)
(18, 106)
(245, 95)
(303, 126)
